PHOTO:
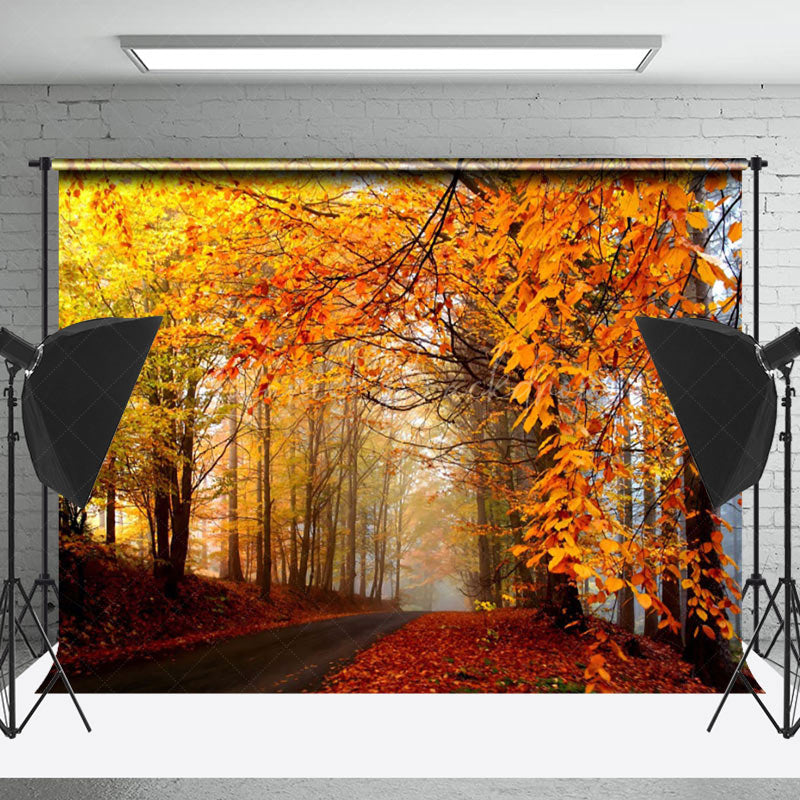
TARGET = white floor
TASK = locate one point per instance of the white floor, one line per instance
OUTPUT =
(401, 735)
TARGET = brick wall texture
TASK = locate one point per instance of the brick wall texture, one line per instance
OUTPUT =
(398, 120)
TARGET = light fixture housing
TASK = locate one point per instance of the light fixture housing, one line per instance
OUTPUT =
(390, 54)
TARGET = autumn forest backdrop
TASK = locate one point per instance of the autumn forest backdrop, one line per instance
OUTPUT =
(404, 390)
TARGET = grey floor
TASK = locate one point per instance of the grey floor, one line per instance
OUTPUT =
(396, 789)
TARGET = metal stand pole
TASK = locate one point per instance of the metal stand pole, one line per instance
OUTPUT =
(756, 579)
(10, 586)
(8, 606)
(791, 606)
(788, 583)
(45, 583)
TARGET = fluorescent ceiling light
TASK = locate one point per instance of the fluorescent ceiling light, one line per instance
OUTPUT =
(367, 54)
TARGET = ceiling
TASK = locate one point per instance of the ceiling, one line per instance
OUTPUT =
(735, 41)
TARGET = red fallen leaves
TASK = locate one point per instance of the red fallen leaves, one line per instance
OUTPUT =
(510, 650)
(121, 612)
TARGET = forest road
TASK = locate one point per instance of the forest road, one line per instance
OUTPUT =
(292, 659)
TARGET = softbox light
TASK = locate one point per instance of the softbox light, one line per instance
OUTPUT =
(720, 384)
(77, 384)
(723, 397)
(74, 396)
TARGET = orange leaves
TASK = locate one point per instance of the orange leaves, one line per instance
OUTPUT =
(526, 356)
(711, 270)
(596, 669)
(629, 204)
(676, 196)
(697, 219)
(522, 392)
(609, 546)
(735, 232)
(445, 652)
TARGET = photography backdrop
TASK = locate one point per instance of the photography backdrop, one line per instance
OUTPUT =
(426, 371)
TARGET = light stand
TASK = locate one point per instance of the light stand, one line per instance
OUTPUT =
(790, 622)
(756, 581)
(725, 401)
(78, 382)
(10, 623)
(45, 583)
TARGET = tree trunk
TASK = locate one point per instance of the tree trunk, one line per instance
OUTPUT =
(161, 514)
(111, 503)
(362, 555)
(650, 615)
(308, 517)
(527, 592)
(259, 516)
(234, 557)
(293, 524)
(330, 545)
(266, 530)
(671, 592)
(484, 556)
(352, 502)
(712, 659)
(626, 609)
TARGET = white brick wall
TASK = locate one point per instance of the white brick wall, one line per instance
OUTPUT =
(397, 120)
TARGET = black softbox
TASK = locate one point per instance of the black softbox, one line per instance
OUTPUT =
(722, 394)
(74, 397)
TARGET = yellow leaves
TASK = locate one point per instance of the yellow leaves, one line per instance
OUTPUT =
(609, 546)
(677, 198)
(644, 600)
(547, 292)
(557, 556)
(614, 584)
(710, 269)
(697, 219)
(706, 273)
(676, 257)
(629, 204)
(521, 392)
(527, 355)
(582, 571)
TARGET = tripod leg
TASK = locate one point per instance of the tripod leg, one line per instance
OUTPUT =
(50, 684)
(61, 673)
(4, 688)
(25, 607)
(743, 659)
(3, 601)
(795, 620)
